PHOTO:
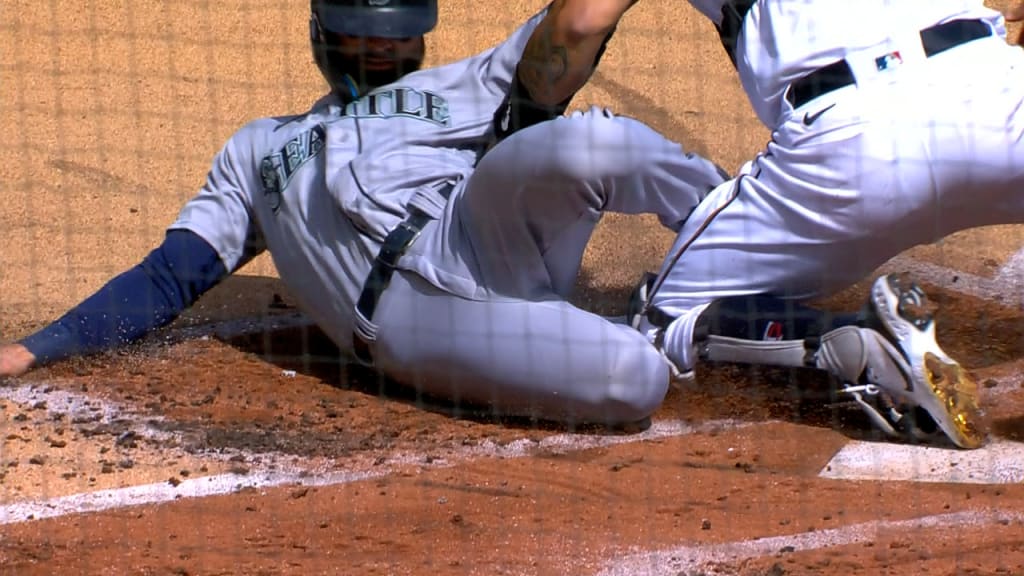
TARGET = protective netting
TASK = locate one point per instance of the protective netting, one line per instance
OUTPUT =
(239, 441)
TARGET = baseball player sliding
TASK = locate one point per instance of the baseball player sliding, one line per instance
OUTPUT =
(444, 270)
(893, 124)
(448, 268)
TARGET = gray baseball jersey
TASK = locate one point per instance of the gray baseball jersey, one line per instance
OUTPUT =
(321, 190)
(477, 311)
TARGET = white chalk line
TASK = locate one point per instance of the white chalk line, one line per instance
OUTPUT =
(82, 411)
(998, 462)
(161, 492)
(79, 405)
(282, 469)
(995, 289)
(715, 559)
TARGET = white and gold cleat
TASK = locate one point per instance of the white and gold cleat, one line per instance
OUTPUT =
(899, 310)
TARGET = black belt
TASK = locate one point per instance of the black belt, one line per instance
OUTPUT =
(935, 39)
(395, 245)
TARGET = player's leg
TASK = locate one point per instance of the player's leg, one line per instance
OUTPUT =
(886, 168)
(748, 246)
(530, 207)
(981, 151)
(749, 329)
(546, 360)
(526, 216)
(884, 357)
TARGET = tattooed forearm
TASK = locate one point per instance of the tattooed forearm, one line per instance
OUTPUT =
(561, 53)
(544, 64)
(559, 57)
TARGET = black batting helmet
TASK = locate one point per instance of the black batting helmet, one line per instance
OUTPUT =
(394, 19)
(381, 18)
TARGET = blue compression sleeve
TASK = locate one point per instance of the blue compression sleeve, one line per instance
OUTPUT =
(150, 295)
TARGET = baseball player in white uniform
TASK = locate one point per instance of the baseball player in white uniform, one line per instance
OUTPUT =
(445, 271)
(894, 123)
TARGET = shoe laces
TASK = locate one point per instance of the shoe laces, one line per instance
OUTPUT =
(914, 307)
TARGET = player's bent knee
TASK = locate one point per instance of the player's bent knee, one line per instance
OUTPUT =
(583, 147)
(599, 130)
(636, 388)
(606, 145)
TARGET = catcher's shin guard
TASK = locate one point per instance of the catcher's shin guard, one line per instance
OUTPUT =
(885, 358)
(867, 366)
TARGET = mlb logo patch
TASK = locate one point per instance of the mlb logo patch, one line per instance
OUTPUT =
(888, 61)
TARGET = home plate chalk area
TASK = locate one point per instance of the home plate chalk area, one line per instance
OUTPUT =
(1000, 462)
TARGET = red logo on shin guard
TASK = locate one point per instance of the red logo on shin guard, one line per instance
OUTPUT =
(773, 331)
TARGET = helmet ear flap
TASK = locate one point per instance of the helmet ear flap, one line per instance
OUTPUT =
(316, 33)
(337, 77)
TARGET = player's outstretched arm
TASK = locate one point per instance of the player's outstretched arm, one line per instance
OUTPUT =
(169, 280)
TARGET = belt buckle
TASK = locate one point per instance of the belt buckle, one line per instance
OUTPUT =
(397, 242)
(405, 234)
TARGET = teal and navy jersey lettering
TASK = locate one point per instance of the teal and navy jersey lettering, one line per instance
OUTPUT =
(321, 190)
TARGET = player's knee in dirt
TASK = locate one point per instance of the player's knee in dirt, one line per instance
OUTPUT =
(636, 389)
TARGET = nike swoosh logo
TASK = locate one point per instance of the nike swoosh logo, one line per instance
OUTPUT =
(810, 118)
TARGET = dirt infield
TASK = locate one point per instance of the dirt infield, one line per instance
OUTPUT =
(237, 443)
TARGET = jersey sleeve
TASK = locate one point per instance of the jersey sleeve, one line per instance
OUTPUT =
(497, 66)
(519, 110)
(132, 304)
(222, 212)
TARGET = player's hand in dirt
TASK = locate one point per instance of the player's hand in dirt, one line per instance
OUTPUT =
(1015, 13)
(15, 360)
